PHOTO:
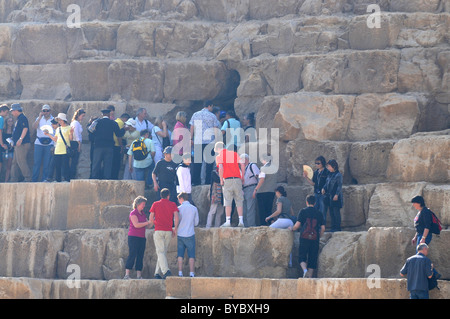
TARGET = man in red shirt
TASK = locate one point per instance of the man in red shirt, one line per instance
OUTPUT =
(162, 215)
(231, 172)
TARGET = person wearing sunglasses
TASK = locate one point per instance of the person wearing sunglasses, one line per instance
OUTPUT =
(318, 181)
(42, 146)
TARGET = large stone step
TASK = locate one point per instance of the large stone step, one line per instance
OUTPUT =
(212, 288)
(101, 254)
(214, 40)
(258, 252)
(216, 10)
(95, 204)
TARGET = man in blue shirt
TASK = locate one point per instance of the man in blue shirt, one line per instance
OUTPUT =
(418, 268)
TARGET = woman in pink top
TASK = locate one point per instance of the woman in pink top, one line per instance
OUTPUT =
(136, 237)
(181, 133)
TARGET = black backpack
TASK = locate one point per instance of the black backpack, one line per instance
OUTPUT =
(433, 281)
(309, 230)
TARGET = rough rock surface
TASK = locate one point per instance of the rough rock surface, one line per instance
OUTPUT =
(375, 99)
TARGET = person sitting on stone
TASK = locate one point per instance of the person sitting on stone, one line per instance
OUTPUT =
(284, 213)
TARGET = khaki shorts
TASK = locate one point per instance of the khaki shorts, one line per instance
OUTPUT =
(232, 189)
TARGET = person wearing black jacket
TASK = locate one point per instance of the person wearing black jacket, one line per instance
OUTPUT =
(422, 222)
(103, 138)
(318, 181)
(333, 194)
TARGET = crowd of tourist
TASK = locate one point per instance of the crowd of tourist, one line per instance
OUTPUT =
(144, 151)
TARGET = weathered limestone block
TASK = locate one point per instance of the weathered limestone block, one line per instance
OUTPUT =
(90, 197)
(389, 247)
(30, 253)
(422, 157)
(43, 82)
(419, 70)
(314, 116)
(343, 256)
(414, 5)
(353, 73)
(367, 72)
(24, 288)
(194, 80)
(10, 84)
(136, 80)
(100, 254)
(390, 116)
(136, 38)
(259, 252)
(390, 205)
(361, 37)
(89, 80)
(5, 43)
(31, 44)
(437, 198)
(116, 216)
(35, 206)
(318, 117)
(368, 161)
(181, 39)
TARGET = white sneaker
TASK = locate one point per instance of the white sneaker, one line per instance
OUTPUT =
(240, 225)
(226, 224)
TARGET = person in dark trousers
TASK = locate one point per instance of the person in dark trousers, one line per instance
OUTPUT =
(311, 222)
(418, 269)
(21, 139)
(164, 175)
(136, 237)
(333, 194)
(103, 145)
(318, 181)
(422, 222)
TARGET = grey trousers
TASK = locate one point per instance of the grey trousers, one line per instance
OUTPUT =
(249, 207)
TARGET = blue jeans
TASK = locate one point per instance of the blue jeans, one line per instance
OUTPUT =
(419, 294)
(184, 243)
(320, 206)
(427, 240)
(42, 156)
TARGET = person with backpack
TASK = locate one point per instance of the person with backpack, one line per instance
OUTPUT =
(425, 222)
(310, 222)
(216, 208)
(251, 174)
(140, 156)
(419, 270)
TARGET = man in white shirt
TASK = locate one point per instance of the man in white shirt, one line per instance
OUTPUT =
(42, 146)
(202, 125)
(188, 219)
(141, 120)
